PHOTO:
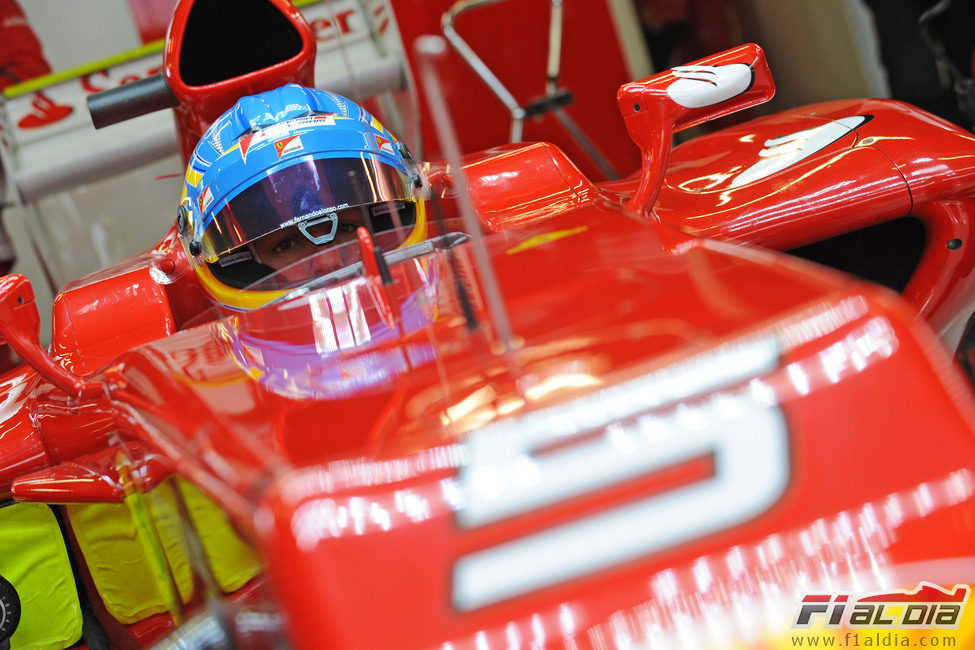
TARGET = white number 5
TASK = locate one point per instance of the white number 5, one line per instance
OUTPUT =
(511, 472)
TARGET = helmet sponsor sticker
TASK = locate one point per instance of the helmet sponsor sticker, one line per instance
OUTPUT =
(244, 145)
(246, 142)
(206, 198)
(302, 122)
(318, 118)
(385, 145)
(288, 145)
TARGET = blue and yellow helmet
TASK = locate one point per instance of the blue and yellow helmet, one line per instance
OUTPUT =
(285, 174)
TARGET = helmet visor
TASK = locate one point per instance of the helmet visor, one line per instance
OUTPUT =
(311, 191)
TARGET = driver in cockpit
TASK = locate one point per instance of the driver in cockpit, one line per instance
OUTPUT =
(284, 175)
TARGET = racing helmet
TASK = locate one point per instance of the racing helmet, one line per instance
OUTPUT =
(283, 175)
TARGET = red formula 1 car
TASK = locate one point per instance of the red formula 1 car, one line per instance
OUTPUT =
(599, 416)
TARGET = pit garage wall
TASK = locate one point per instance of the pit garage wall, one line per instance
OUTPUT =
(73, 33)
(818, 49)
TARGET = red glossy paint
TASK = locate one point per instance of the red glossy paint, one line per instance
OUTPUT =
(20, 329)
(83, 314)
(653, 113)
(72, 482)
(21, 446)
(91, 478)
(875, 172)
(518, 185)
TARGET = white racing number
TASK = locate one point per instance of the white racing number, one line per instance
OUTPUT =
(611, 436)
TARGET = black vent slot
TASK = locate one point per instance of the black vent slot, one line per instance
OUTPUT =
(224, 39)
(887, 253)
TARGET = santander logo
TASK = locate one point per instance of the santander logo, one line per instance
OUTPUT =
(43, 111)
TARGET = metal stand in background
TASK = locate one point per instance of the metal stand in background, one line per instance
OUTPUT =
(555, 98)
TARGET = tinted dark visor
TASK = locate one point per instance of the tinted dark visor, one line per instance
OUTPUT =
(391, 224)
(305, 192)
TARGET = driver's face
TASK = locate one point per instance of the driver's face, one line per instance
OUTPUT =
(284, 247)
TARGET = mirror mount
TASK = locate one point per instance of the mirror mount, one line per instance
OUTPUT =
(20, 326)
(656, 108)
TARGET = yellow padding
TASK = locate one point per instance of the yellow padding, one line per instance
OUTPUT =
(136, 550)
(135, 553)
(232, 561)
(34, 559)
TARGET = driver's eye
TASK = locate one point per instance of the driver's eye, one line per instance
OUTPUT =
(284, 245)
(345, 227)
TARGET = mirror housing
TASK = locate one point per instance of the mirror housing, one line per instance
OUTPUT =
(657, 107)
(20, 326)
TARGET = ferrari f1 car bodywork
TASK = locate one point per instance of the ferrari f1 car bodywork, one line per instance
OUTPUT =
(604, 423)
